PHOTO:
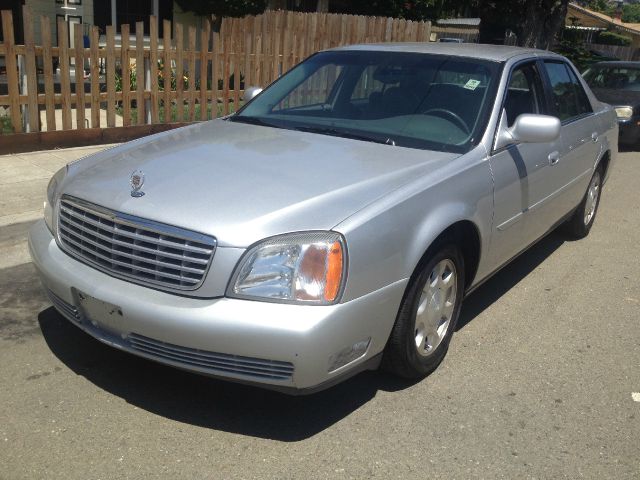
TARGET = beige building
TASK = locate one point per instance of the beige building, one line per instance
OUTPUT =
(581, 17)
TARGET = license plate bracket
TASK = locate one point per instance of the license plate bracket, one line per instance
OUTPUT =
(100, 313)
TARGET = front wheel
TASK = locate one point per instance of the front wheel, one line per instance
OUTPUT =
(427, 316)
(579, 225)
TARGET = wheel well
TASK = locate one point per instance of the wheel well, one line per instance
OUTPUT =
(464, 234)
(604, 161)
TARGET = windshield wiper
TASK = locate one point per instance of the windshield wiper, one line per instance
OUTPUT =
(334, 132)
(250, 120)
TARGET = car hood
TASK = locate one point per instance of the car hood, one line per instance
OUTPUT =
(242, 183)
(617, 97)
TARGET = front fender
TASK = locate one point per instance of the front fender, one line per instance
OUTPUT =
(387, 239)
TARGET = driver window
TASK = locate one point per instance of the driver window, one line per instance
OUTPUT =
(524, 93)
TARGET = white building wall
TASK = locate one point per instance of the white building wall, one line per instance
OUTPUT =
(49, 8)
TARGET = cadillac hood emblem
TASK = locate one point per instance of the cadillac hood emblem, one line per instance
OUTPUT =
(137, 181)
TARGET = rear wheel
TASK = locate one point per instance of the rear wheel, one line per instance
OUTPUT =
(579, 225)
(427, 316)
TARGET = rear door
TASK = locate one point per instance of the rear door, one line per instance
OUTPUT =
(577, 150)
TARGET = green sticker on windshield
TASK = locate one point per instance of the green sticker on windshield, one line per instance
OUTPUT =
(472, 84)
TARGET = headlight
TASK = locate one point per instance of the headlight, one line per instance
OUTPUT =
(298, 268)
(52, 196)
(624, 113)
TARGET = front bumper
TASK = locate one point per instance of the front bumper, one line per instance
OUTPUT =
(280, 346)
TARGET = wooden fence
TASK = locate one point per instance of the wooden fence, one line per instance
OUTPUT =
(617, 51)
(170, 80)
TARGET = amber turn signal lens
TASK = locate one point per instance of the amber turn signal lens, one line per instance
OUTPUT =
(334, 272)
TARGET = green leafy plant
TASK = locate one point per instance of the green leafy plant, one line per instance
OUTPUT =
(612, 38)
(5, 125)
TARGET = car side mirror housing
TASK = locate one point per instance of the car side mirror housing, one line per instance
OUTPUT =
(528, 128)
(250, 93)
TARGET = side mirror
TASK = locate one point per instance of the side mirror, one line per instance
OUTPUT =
(528, 128)
(250, 93)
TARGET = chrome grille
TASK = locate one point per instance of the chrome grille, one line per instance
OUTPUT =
(66, 309)
(134, 248)
(212, 362)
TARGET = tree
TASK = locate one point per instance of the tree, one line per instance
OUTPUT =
(409, 9)
(631, 13)
(217, 9)
(535, 22)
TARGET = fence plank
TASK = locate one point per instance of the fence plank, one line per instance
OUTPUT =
(266, 49)
(32, 74)
(126, 75)
(65, 83)
(236, 64)
(247, 47)
(204, 67)
(215, 73)
(166, 76)
(225, 68)
(94, 36)
(153, 60)
(286, 43)
(191, 62)
(47, 65)
(111, 76)
(140, 117)
(12, 70)
(257, 50)
(179, 72)
(277, 44)
(79, 69)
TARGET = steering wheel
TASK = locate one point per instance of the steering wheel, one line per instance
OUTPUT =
(455, 116)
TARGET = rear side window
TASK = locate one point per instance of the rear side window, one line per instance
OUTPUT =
(569, 98)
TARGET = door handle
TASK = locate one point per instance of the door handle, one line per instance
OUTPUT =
(594, 136)
(554, 158)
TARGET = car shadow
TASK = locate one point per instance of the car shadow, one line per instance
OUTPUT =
(508, 277)
(242, 409)
(204, 401)
(626, 148)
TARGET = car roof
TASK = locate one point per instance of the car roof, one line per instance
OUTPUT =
(620, 63)
(496, 53)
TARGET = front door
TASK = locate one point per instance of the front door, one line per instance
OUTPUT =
(520, 171)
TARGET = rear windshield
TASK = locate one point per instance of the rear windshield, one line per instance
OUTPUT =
(617, 78)
(415, 100)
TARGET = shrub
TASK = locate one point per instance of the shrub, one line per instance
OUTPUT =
(612, 38)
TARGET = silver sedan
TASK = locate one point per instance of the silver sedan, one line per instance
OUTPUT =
(336, 222)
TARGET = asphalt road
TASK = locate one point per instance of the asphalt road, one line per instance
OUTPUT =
(538, 383)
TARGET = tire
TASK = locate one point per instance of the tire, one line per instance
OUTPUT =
(427, 316)
(580, 223)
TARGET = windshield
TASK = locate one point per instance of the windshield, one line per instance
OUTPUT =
(414, 100)
(617, 78)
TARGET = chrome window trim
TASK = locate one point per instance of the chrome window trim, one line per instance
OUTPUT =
(135, 222)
